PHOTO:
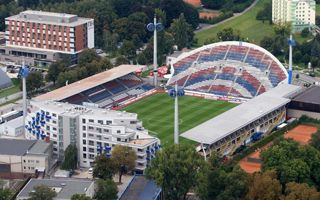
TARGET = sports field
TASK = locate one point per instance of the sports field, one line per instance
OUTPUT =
(157, 114)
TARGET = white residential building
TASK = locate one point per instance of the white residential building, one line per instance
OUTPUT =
(300, 13)
(93, 130)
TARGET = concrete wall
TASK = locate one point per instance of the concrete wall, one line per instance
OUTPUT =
(14, 161)
(298, 113)
(30, 162)
(10, 97)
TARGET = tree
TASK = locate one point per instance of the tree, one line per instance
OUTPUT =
(228, 34)
(106, 190)
(264, 186)
(305, 32)
(5, 194)
(128, 49)
(124, 159)
(219, 184)
(80, 197)
(87, 56)
(315, 140)
(265, 13)
(104, 167)
(34, 81)
(70, 158)
(121, 60)
(301, 191)
(182, 32)
(176, 170)
(42, 192)
(55, 69)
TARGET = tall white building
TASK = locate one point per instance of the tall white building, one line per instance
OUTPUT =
(300, 13)
(93, 130)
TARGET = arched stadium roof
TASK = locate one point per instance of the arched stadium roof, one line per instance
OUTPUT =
(5, 81)
(230, 68)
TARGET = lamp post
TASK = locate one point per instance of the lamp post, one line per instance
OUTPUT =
(154, 27)
(23, 73)
(291, 43)
(175, 93)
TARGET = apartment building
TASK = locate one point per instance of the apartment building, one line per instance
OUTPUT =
(42, 37)
(95, 131)
(300, 14)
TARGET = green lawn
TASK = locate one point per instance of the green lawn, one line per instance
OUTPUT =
(247, 24)
(14, 89)
(157, 112)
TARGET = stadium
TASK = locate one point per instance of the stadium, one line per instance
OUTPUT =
(216, 79)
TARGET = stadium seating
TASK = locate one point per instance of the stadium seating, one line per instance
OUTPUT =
(130, 80)
(76, 99)
(114, 86)
(229, 68)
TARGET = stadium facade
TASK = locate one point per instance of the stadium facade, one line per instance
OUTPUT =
(232, 68)
(38, 37)
(300, 13)
(245, 123)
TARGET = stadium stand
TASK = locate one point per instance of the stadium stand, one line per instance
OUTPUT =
(247, 122)
(105, 89)
(229, 69)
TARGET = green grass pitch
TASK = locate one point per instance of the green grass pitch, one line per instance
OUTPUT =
(157, 113)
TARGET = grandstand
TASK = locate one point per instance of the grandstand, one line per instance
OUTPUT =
(106, 89)
(245, 123)
(230, 68)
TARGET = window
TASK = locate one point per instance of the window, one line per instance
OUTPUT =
(91, 150)
(84, 121)
(84, 155)
(118, 131)
(84, 142)
(84, 135)
(100, 121)
(84, 128)
(54, 115)
(37, 161)
(84, 148)
(108, 122)
(119, 139)
(91, 120)
(91, 142)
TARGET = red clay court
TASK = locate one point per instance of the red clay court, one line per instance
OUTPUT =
(301, 134)
(195, 3)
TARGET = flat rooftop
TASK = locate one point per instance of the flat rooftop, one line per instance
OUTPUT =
(75, 110)
(49, 18)
(65, 188)
(90, 82)
(15, 147)
(232, 120)
(311, 95)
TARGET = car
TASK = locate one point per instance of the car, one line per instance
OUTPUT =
(90, 170)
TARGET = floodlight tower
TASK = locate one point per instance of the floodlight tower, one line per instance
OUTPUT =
(175, 93)
(154, 27)
(23, 73)
(291, 43)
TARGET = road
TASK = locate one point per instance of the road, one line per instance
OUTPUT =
(206, 26)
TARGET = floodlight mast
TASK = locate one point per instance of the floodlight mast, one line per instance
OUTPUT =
(23, 73)
(176, 117)
(155, 59)
(175, 93)
(291, 44)
(155, 27)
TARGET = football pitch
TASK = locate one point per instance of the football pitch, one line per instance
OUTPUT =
(157, 114)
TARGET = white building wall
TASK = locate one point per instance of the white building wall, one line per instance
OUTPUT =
(90, 34)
